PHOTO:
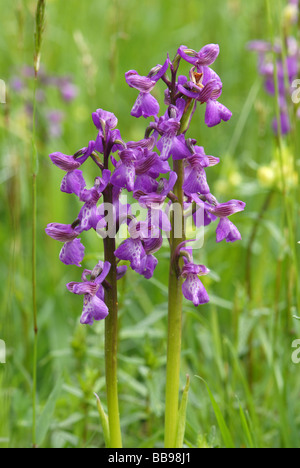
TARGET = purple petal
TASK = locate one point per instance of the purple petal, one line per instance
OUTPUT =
(194, 291)
(72, 253)
(73, 182)
(145, 105)
(161, 70)
(124, 176)
(105, 270)
(205, 57)
(141, 83)
(93, 309)
(61, 232)
(145, 184)
(64, 162)
(102, 116)
(88, 287)
(196, 181)
(148, 266)
(179, 148)
(227, 230)
(223, 210)
(90, 218)
(215, 113)
(160, 220)
(133, 251)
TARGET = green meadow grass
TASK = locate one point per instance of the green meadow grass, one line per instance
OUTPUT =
(244, 387)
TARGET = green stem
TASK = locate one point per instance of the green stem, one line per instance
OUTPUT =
(34, 300)
(174, 327)
(111, 339)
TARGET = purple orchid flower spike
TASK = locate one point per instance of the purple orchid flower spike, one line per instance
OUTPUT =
(70, 163)
(146, 105)
(94, 307)
(139, 169)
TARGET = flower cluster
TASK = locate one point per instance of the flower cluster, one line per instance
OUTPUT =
(145, 169)
(279, 65)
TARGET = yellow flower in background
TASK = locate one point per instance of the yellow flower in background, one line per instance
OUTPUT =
(272, 175)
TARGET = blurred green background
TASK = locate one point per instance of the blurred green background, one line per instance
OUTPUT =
(241, 343)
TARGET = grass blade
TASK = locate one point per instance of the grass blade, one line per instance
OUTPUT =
(228, 441)
(45, 418)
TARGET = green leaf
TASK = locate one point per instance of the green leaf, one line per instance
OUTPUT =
(228, 441)
(246, 428)
(182, 415)
(45, 418)
(104, 422)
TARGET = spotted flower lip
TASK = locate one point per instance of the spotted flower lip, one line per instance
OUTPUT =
(195, 180)
(131, 250)
(72, 253)
(226, 230)
(124, 175)
(73, 182)
(192, 288)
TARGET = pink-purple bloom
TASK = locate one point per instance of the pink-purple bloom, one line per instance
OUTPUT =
(143, 169)
(94, 307)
